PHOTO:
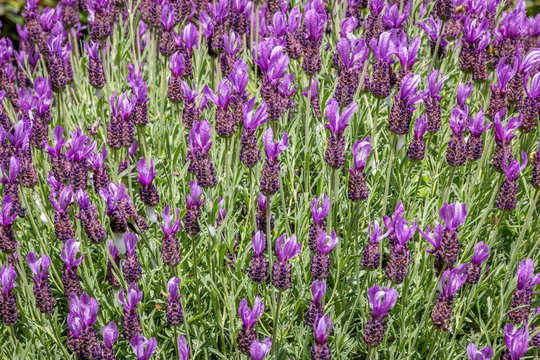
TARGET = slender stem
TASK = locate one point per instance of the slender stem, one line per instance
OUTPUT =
(370, 351)
(423, 164)
(276, 322)
(412, 164)
(389, 173)
(333, 204)
(195, 270)
(449, 185)
(307, 138)
(437, 45)
(374, 122)
(525, 226)
(434, 344)
(252, 206)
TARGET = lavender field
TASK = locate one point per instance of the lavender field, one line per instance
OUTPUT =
(314, 179)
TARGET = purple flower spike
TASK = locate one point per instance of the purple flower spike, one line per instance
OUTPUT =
(361, 150)
(144, 349)
(199, 137)
(177, 64)
(526, 276)
(289, 250)
(516, 341)
(475, 354)
(476, 124)
(481, 253)
(407, 53)
(259, 350)
(463, 92)
(42, 290)
(453, 215)
(315, 309)
(390, 223)
(9, 313)
(385, 47)
(319, 213)
(433, 30)
(451, 281)
(183, 349)
(435, 86)
(372, 254)
(251, 316)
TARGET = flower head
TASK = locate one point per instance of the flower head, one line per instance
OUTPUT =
(452, 280)
(381, 300)
(505, 134)
(325, 243)
(290, 249)
(177, 64)
(251, 316)
(80, 147)
(322, 328)
(131, 298)
(516, 340)
(69, 253)
(526, 276)
(458, 120)
(476, 125)
(183, 349)
(223, 95)
(7, 215)
(385, 47)
(318, 288)
(199, 137)
(273, 149)
(7, 279)
(481, 253)
(146, 173)
(361, 150)
(85, 308)
(169, 227)
(258, 243)
(253, 119)
(375, 232)
(434, 239)
(195, 193)
(173, 287)
(338, 122)
(39, 266)
(453, 215)
(144, 349)
(110, 334)
(514, 168)
(319, 213)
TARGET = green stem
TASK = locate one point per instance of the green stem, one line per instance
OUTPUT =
(276, 322)
(449, 185)
(370, 351)
(195, 271)
(437, 45)
(333, 204)
(434, 344)
(389, 173)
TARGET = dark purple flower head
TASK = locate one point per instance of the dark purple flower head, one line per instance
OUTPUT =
(481, 253)
(290, 249)
(420, 127)
(506, 133)
(319, 213)
(39, 266)
(318, 288)
(239, 77)
(322, 328)
(463, 92)
(434, 86)
(516, 340)
(169, 227)
(475, 354)
(453, 215)
(258, 243)
(476, 124)
(259, 350)
(338, 122)
(132, 297)
(526, 276)
(110, 334)
(7, 215)
(407, 53)
(147, 173)
(130, 241)
(504, 74)
(433, 30)
(69, 254)
(381, 300)
(408, 91)
(177, 64)
(271, 148)
(375, 233)
(434, 239)
(250, 316)
(122, 106)
(452, 280)
(173, 288)
(390, 223)
(314, 22)
(85, 308)
(194, 195)
(223, 95)
(7, 279)
(403, 231)
(64, 199)
(514, 168)
(199, 137)
(385, 47)
(144, 349)
(183, 349)
(533, 91)
(167, 16)
(92, 49)
(80, 146)
(325, 244)
(361, 150)
(253, 119)
(14, 171)
(458, 120)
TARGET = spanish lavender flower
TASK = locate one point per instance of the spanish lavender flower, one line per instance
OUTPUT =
(390, 223)
(270, 170)
(522, 68)
(258, 270)
(281, 270)
(286, 89)
(8, 303)
(120, 131)
(31, 15)
(453, 216)
(49, 17)
(376, 326)
(479, 71)
(114, 195)
(110, 335)
(475, 354)
(100, 19)
(231, 47)
(139, 114)
(57, 155)
(473, 30)
(42, 114)
(200, 163)
(400, 116)
(144, 349)
(315, 308)
(417, 145)
(259, 350)
(320, 260)
(335, 149)
(516, 341)
(475, 144)
(96, 75)
(535, 177)
(175, 314)
(21, 58)
(89, 217)
(463, 93)
(4, 119)
(239, 97)
(273, 64)
(392, 19)
(70, 13)
(523, 296)
(8, 243)
(261, 214)
(383, 49)
(78, 153)
(352, 54)
(215, 27)
(70, 279)
(249, 151)
(474, 267)
(314, 25)
(400, 255)
(374, 21)
(176, 93)
(503, 136)
(82, 337)
(57, 71)
(167, 45)
(444, 9)
(529, 108)
(509, 34)
(193, 212)
(247, 334)
(435, 239)
(42, 290)
(63, 228)
(407, 53)
(20, 139)
(170, 252)
(240, 18)
(148, 191)
(293, 45)
(318, 214)
(372, 252)
(315, 106)
(433, 30)
(112, 275)
(224, 117)
(441, 315)
(101, 177)
(191, 112)
(131, 266)
(456, 151)
(321, 349)
(131, 321)
(498, 100)
(358, 189)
